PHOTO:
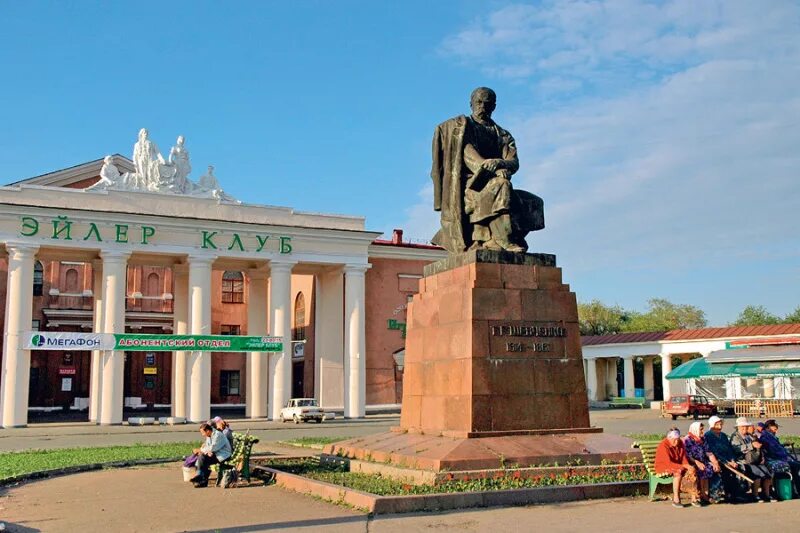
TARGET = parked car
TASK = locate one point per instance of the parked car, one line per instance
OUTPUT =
(690, 405)
(302, 410)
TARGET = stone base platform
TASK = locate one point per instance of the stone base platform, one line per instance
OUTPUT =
(440, 453)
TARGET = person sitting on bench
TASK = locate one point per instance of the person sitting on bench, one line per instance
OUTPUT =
(224, 427)
(215, 450)
(719, 444)
(671, 460)
(750, 459)
(778, 459)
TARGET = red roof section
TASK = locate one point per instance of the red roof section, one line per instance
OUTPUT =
(692, 334)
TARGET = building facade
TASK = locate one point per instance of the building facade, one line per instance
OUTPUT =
(636, 364)
(111, 261)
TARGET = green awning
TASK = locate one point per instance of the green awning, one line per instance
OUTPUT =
(702, 369)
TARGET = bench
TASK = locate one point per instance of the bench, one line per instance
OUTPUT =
(648, 450)
(240, 457)
(626, 402)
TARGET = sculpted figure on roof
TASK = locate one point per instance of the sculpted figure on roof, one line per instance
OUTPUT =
(146, 160)
(153, 173)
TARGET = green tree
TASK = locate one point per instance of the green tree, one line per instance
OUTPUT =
(793, 317)
(756, 315)
(663, 315)
(596, 318)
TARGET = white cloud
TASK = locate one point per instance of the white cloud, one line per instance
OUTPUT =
(682, 146)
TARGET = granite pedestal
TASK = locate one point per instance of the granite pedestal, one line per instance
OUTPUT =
(493, 371)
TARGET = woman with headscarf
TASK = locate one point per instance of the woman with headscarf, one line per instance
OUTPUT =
(719, 444)
(671, 460)
(704, 462)
(224, 427)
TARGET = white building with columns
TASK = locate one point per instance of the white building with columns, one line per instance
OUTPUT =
(193, 235)
(611, 361)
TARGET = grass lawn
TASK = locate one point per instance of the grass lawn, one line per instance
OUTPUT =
(785, 439)
(314, 442)
(18, 463)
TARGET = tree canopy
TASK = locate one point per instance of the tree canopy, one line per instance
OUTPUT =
(757, 315)
(596, 318)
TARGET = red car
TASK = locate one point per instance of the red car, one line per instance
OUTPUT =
(690, 405)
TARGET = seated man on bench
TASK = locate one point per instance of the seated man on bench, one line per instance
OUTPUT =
(216, 449)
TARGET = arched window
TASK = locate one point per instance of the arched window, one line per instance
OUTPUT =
(232, 287)
(299, 333)
(38, 278)
(153, 287)
(71, 281)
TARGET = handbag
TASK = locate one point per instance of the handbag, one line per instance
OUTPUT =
(190, 461)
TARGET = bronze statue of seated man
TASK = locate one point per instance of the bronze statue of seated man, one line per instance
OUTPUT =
(473, 161)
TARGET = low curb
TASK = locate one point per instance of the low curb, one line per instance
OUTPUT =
(440, 502)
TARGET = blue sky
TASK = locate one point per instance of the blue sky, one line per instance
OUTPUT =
(663, 136)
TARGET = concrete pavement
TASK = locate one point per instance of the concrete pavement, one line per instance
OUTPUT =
(155, 499)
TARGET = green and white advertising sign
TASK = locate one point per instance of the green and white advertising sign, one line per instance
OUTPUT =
(39, 340)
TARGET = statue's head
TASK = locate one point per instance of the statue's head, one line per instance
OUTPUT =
(210, 170)
(143, 133)
(108, 160)
(180, 140)
(482, 101)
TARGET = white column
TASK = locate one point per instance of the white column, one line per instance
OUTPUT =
(14, 387)
(649, 381)
(200, 324)
(96, 378)
(180, 326)
(591, 379)
(329, 338)
(628, 384)
(355, 363)
(666, 368)
(257, 362)
(115, 266)
(280, 309)
(611, 377)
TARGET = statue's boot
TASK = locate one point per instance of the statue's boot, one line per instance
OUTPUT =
(492, 244)
(501, 232)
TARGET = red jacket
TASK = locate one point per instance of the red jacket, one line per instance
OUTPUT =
(670, 459)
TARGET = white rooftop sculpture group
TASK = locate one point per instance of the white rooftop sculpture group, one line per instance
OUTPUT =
(153, 173)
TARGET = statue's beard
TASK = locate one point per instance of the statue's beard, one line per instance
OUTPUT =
(483, 116)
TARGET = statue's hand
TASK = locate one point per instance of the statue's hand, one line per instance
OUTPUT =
(502, 173)
(490, 164)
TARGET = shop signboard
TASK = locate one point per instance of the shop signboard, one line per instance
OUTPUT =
(61, 341)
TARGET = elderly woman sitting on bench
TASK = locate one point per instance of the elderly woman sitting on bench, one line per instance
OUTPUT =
(671, 460)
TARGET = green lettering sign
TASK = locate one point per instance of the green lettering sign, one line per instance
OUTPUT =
(147, 232)
(207, 242)
(236, 241)
(30, 226)
(62, 225)
(93, 231)
(261, 242)
(122, 232)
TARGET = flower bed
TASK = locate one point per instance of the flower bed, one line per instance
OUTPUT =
(502, 480)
